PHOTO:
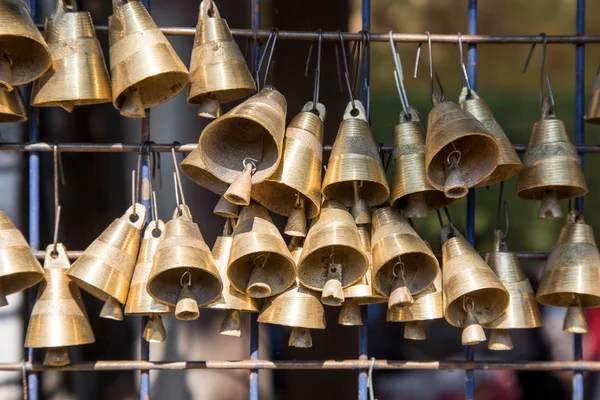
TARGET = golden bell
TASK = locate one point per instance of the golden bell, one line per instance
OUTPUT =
(411, 193)
(333, 257)
(58, 318)
(12, 108)
(460, 153)
(184, 274)
(260, 263)
(19, 269)
(24, 55)
(145, 69)
(355, 171)
(552, 170)
(593, 112)
(78, 75)
(105, 268)
(510, 164)
(572, 272)
(218, 71)
(226, 209)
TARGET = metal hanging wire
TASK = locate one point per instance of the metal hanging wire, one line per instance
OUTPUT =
(543, 76)
(399, 75)
(271, 41)
(59, 178)
(464, 76)
(317, 84)
(342, 47)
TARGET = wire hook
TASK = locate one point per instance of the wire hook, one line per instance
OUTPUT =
(430, 46)
(272, 36)
(346, 72)
(502, 204)
(464, 76)
(398, 74)
(542, 68)
(178, 185)
(59, 178)
(317, 84)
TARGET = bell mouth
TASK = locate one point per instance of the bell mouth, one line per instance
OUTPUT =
(561, 191)
(420, 271)
(374, 193)
(456, 192)
(167, 83)
(489, 304)
(313, 273)
(272, 277)
(25, 52)
(166, 286)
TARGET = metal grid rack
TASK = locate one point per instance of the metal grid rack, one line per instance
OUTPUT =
(362, 363)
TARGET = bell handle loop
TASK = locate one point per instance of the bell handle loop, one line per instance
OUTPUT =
(456, 154)
(250, 161)
(575, 217)
(258, 257)
(189, 283)
(468, 304)
(208, 9)
(66, 5)
(402, 268)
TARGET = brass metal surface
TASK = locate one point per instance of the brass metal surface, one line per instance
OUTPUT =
(593, 111)
(238, 192)
(226, 209)
(500, 340)
(428, 305)
(194, 168)
(472, 333)
(12, 108)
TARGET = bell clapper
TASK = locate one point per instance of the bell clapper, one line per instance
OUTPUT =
(413, 330)
(186, 308)
(133, 107)
(333, 292)
(550, 206)
(155, 331)
(67, 106)
(57, 357)
(472, 333)
(296, 223)
(400, 294)
(500, 340)
(360, 209)
(240, 189)
(112, 309)
(226, 209)
(300, 337)
(416, 206)
(575, 319)
(257, 284)
(209, 107)
(6, 73)
(455, 186)
(350, 313)
(232, 324)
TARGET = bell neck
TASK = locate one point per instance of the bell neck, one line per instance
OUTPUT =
(384, 216)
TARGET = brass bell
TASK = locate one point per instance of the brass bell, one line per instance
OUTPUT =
(184, 274)
(510, 164)
(218, 71)
(105, 268)
(19, 269)
(523, 311)
(24, 55)
(460, 153)
(572, 272)
(58, 319)
(473, 294)
(333, 257)
(294, 190)
(260, 263)
(355, 176)
(78, 75)
(402, 263)
(12, 108)
(139, 301)
(552, 170)
(411, 192)
(145, 69)
(593, 112)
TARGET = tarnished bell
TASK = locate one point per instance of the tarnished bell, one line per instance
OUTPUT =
(260, 263)
(58, 318)
(78, 75)
(19, 269)
(105, 268)
(24, 55)
(510, 164)
(145, 69)
(333, 257)
(12, 108)
(218, 71)
(411, 192)
(552, 170)
(593, 111)
(184, 274)
(460, 153)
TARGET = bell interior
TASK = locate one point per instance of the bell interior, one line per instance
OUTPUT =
(222, 96)
(318, 262)
(281, 198)
(433, 199)
(562, 192)
(28, 57)
(154, 89)
(167, 286)
(278, 271)
(16, 282)
(371, 191)
(420, 271)
(565, 299)
(489, 303)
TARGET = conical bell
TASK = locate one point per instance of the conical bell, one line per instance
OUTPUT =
(593, 112)
(260, 263)
(12, 108)
(226, 209)
(411, 193)
(355, 164)
(24, 55)
(58, 319)
(19, 269)
(402, 263)
(460, 152)
(145, 69)
(333, 257)
(78, 75)
(105, 268)
(523, 311)
(552, 170)
(510, 164)
(184, 274)
(572, 272)
(218, 71)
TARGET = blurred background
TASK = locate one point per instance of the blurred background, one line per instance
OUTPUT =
(98, 188)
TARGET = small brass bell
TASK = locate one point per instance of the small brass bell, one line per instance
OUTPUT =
(218, 71)
(58, 319)
(19, 269)
(572, 272)
(105, 268)
(510, 164)
(593, 112)
(333, 257)
(145, 69)
(260, 263)
(12, 108)
(78, 75)
(24, 55)
(552, 170)
(355, 176)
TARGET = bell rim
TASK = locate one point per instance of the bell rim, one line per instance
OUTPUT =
(588, 300)
(536, 192)
(41, 48)
(223, 96)
(32, 279)
(303, 260)
(399, 202)
(180, 77)
(313, 208)
(457, 305)
(348, 201)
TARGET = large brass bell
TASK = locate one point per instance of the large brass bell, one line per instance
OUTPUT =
(294, 190)
(12, 108)
(572, 272)
(510, 164)
(145, 69)
(333, 257)
(105, 268)
(403, 264)
(593, 111)
(19, 269)
(473, 294)
(218, 71)
(78, 75)
(58, 319)
(355, 176)
(24, 55)
(260, 263)
(552, 170)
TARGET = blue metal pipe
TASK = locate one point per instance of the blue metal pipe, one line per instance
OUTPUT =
(363, 344)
